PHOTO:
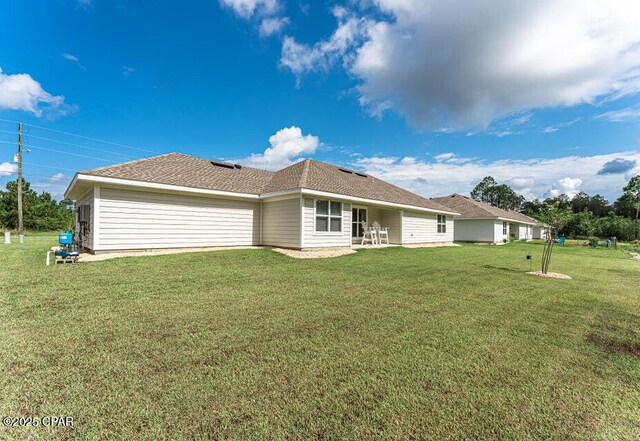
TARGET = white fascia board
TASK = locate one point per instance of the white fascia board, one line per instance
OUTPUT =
(502, 219)
(71, 185)
(343, 197)
(157, 186)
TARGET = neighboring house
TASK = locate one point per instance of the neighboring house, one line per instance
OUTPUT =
(480, 222)
(176, 200)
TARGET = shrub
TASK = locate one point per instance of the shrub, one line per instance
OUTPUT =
(593, 242)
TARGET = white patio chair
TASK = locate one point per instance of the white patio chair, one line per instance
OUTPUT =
(369, 234)
(382, 233)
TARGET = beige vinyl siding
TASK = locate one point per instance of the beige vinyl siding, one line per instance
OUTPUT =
(281, 223)
(313, 239)
(476, 230)
(419, 227)
(131, 219)
(392, 220)
(87, 239)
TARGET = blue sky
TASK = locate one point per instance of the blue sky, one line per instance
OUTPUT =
(430, 96)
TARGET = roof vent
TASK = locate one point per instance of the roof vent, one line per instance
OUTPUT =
(344, 170)
(222, 164)
(237, 166)
(362, 175)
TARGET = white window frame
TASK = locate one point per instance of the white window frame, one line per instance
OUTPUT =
(505, 228)
(329, 216)
(441, 227)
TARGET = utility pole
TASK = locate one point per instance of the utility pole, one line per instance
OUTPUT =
(20, 216)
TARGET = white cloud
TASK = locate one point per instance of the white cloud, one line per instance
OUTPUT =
(127, 71)
(55, 185)
(555, 127)
(621, 115)
(7, 169)
(444, 156)
(247, 8)
(270, 26)
(73, 59)
(21, 92)
(531, 177)
(287, 147)
(568, 186)
(463, 64)
(301, 58)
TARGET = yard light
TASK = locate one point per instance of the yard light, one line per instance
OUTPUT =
(530, 259)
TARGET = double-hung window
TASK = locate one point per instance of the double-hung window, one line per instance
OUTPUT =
(328, 216)
(442, 223)
(504, 229)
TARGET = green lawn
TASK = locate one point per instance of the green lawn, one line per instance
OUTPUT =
(433, 343)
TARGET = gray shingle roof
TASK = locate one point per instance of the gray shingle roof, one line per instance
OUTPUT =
(188, 171)
(191, 171)
(470, 208)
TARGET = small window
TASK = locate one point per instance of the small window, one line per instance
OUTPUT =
(442, 223)
(328, 216)
(505, 231)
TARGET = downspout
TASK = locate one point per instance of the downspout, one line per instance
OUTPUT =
(261, 223)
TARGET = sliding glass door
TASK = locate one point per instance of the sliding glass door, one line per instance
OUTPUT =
(358, 216)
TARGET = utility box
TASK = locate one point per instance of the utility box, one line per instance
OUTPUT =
(65, 238)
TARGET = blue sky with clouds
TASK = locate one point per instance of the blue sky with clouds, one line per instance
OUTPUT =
(429, 95)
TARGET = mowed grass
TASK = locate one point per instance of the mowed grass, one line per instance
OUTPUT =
(435, 343)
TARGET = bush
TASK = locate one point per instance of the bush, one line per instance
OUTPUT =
(593, 242)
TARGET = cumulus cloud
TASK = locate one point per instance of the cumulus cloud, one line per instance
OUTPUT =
(531, 177)
(567, 186)
(272, 25)
(247, 8)
(287, 147)
(462, 64)
(21, 92)
(7, 169)
(302, 58)
(617, 166)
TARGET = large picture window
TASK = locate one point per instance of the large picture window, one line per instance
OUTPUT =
(328, 216)
(442, 223)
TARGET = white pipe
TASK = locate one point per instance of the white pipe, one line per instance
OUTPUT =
(7, 237)
(21, 238)
(48, 261)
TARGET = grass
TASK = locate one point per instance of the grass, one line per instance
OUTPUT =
(436, 343)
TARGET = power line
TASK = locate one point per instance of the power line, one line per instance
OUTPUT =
(50, 166)
(84, 137)
(68, 153)
(124, 155)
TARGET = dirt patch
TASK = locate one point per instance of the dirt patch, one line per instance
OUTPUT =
(87, 257)
(616, 347)
(550, 275)
(430, 245)
(319, 254)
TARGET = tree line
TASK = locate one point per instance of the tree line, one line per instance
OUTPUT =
(41, 211)
(584, 215)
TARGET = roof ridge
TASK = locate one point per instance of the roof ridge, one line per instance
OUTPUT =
(305, 173)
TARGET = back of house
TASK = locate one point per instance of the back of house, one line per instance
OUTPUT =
(177, 201)
(480, 222)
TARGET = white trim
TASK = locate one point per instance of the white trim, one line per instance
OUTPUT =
(96, 217)
(342, 197)
(513, 221)
(71, 185)
(302, 208)
(155, 185)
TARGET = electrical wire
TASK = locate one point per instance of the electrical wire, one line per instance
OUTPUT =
(124, 155)
(82, 136)
(67, 153)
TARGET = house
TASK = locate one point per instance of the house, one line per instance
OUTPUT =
(480, 222)
(176, 200)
